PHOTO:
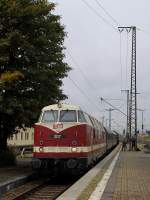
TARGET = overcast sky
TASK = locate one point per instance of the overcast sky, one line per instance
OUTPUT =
(93, 49)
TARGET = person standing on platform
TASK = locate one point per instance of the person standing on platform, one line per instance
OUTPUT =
(124, 144)
(133, 144)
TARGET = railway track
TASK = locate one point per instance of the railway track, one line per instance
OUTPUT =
(34, 190)
(44, 189)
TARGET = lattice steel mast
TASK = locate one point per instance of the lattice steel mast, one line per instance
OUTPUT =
(133, 90)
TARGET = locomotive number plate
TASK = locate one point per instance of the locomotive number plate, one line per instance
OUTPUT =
(57, 136)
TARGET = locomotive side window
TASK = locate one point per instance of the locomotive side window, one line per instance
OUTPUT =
(92, 121)
(68, 116)
(50, 116)
(97, 124)
(81, 117)
(87, 119)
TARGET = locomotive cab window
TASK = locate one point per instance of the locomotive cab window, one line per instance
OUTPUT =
(68, 116)
(50, 116)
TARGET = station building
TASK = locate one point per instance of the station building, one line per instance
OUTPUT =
(24, 138)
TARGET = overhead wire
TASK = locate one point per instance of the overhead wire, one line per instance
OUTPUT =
(98, 15)
(107, 13)
(144, 31)
(115, 108)
(81, 71)
(108, 23)
(84, 76)
(83, 93)
(117, 23)
(101, 17)
(117, 123)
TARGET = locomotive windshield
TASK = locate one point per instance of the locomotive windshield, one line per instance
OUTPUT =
(50, 116)
(68, 116)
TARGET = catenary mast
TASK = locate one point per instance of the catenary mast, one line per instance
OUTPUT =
(133, 88)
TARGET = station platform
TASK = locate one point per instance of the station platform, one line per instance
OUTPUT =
(23, 167)
(11, 177)
(130, 178)
(122, 175)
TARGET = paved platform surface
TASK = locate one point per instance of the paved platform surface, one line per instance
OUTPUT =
(9, 173)
(11, 177)
(130, 179)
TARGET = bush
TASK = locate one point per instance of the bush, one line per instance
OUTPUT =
(7, 158)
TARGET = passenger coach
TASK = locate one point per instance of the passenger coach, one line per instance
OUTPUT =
(66, 138)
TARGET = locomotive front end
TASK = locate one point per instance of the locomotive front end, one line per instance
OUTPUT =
(60, 139)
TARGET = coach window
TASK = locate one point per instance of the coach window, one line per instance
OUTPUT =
(81, 117)
(27, 136)
(96, 127)
(92, 121)
(100, 128)
(88, 119)
(50, 116)
(21, 136)
(96, 124)
(68, 116)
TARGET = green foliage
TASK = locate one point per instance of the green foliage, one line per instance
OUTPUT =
(31, 61)
(7, 158)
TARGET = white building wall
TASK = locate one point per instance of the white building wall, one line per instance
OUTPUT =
(22, 138)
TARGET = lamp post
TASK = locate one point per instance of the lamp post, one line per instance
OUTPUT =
(127, 123)
(142, 126)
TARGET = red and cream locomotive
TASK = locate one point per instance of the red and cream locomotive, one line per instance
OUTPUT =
(68, 139)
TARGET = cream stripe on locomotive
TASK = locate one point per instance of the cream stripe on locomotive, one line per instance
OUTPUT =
(58, 149)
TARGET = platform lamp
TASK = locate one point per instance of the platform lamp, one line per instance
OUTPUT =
(142, 110)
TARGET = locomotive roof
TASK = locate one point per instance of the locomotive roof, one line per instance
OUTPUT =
(61, 106)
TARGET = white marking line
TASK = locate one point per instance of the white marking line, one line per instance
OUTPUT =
(98, 192)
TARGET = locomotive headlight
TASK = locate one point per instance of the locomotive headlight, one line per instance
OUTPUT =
(41, 149)
(74, 149)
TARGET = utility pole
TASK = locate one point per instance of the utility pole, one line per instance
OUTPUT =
(133, 92)
(109, 110)
(103, 120)
(106, 122)
(142, 110)
(127, 123)
(142, 122)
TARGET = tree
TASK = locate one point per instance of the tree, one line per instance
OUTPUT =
(31, 62)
